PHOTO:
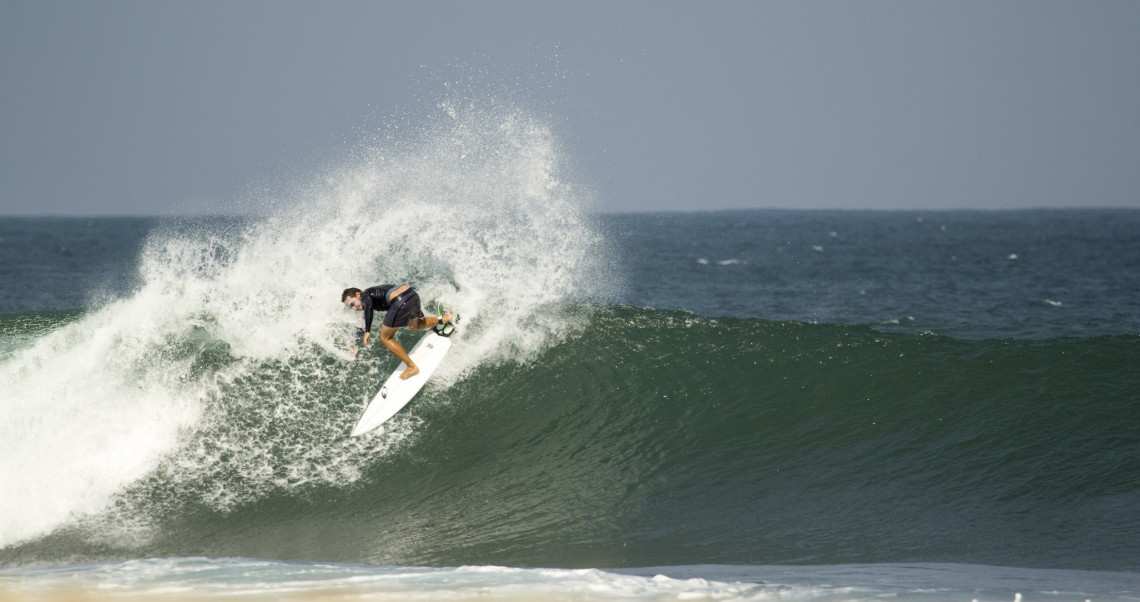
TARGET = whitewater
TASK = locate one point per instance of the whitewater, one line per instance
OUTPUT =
(472, 210)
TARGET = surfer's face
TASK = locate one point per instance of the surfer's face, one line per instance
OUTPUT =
(354, 303)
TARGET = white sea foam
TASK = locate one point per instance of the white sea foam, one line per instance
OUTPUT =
(253, 579)
(86, 409)
(176, 579)
(474, 210)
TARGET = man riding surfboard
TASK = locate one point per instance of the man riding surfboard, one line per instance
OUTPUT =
(402, 306)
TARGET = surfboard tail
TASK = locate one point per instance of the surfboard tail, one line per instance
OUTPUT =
(446, 329)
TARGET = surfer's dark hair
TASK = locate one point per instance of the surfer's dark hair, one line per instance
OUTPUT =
(348, 292)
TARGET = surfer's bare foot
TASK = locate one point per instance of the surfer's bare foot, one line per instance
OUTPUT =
(410, 372)
(446, 319)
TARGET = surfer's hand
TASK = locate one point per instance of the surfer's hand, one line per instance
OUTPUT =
(367, 337)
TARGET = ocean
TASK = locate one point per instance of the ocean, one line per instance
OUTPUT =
(748, 405)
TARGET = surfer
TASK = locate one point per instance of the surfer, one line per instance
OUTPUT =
(402, 305)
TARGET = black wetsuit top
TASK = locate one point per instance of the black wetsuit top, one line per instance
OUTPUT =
(375, 298)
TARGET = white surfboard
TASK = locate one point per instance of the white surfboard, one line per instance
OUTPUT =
(395, 393)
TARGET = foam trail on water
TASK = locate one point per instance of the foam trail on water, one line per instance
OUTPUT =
(227, 374)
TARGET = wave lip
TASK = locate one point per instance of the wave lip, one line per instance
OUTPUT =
(87, 410)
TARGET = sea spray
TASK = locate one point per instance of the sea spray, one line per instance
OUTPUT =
(225, 376)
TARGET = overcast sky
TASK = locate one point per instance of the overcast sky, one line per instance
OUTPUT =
(117, 107)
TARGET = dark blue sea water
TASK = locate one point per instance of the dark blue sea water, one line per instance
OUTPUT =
(744, 405)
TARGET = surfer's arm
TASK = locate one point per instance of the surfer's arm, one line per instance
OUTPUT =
(367, 323)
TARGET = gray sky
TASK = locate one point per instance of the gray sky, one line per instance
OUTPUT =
(116, 107)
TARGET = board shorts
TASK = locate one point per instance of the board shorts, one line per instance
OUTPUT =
(403, 309)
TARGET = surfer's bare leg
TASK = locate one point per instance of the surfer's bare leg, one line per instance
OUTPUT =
(428, 322)
(388, 337)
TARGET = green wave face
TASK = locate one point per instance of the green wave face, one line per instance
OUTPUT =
(647, 438)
